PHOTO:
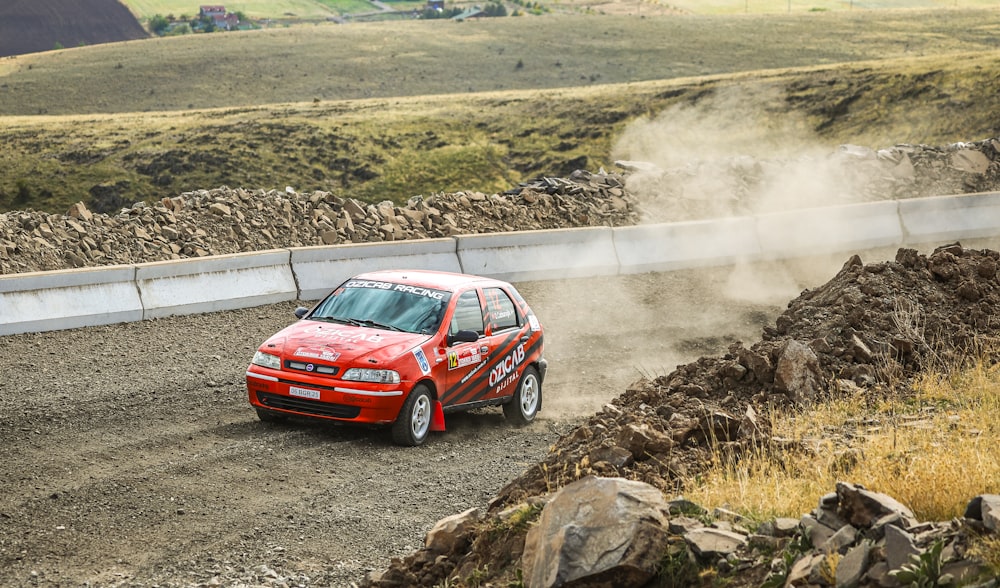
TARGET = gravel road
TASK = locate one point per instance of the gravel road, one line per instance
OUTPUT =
(132, 458)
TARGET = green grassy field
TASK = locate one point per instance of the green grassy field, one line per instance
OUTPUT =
(393, 149)
(377, 111)
(416, 58)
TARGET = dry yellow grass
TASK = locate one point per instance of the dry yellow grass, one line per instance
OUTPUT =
(932, 448)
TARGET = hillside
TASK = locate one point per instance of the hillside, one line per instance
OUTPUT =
(29, 26)
(375, 150)
(420, 58)
(295, 107)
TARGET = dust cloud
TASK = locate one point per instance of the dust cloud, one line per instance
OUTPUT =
(642, 326)
(735, 154)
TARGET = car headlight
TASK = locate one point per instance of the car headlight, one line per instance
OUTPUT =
(267, 360)
(370, 375)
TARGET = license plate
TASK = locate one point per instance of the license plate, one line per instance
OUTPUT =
(303, 392)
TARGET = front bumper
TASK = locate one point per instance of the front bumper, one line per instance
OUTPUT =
(359, 402)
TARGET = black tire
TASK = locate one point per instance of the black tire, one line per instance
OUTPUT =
(414, 421)
(267, 416)
(527, 399)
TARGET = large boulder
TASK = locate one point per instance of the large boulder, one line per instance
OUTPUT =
(596, 530)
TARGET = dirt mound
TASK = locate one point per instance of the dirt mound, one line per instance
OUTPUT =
(869, 329)
(43, 25)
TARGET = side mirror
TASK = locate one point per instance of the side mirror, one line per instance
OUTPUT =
(463, 337)
(301, 311)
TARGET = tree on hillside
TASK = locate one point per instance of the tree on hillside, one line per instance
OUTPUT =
(158, 24)
(431, 13)
(495, 9)
(203, 23)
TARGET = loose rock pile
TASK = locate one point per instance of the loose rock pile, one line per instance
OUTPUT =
(227, 220)
(869, 327)
(234, 220)
(600, 532)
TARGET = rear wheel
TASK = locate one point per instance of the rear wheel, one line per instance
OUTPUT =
(523, 407)
(414, 420)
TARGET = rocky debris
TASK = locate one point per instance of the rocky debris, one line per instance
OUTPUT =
(870, 329)
(234, 220)
(743, 185)
(228, 220)
(599, 532)
(856, 537)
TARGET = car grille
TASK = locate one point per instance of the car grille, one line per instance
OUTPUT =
(312, 368)
(306, 406)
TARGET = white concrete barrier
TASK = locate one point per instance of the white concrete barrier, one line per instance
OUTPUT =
(215, 283)
(539, 255)
(810, 231)
(672, 246)
(950, 218)
(94, 296)
(67, 299)
(318, 270)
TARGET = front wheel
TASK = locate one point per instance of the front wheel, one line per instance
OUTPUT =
(414, 420)
(523, 407)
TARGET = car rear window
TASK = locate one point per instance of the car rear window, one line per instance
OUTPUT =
(500, 309)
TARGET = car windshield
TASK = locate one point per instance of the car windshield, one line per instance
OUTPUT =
(385, 305)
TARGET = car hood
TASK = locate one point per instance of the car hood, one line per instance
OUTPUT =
(343, 344)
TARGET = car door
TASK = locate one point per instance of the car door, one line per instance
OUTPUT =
(507, 338)
(466, 375)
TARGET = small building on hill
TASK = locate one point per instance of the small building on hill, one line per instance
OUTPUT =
(211, 11)
(221, 20)
(228, 22)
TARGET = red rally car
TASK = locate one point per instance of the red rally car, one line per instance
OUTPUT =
(402, 348)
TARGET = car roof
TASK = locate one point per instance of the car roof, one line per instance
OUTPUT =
(449, 281)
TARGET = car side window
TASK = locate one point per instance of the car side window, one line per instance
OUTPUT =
(500, 309)
(468, 314)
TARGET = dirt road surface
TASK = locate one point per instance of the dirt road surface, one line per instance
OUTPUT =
(132, 458)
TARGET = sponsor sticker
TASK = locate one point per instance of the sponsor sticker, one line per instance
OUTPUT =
(533, 321)
(507, 368)
(463, 358)
(425, 366)
(499, 315)
(416, 290)
(342, 335)
(324, 354)
(472, 372)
